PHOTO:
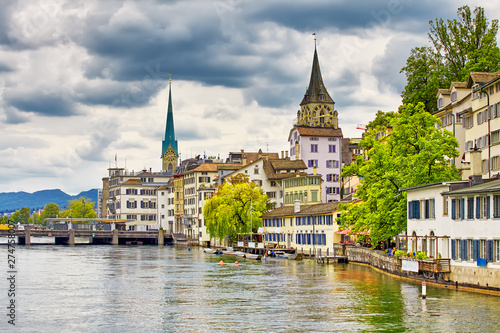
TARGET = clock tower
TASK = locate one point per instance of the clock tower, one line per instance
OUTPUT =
(169, 152)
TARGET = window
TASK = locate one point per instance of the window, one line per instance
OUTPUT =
(331, 148)
(440, 102)
(271, 194)
(496, 250)
(256, 170)
(332, 177)
(454, 96)
(457, 209)
(495, 137)
(482, 248)
(332, 164)
(314, 139)
(469, 122)
(445, 205)
(314, 148)
(312, 163)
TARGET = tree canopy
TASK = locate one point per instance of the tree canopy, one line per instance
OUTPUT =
(413, 153)
(21, 216)
(51, 210)
(78, 208)
(458, 47)
(235, 208)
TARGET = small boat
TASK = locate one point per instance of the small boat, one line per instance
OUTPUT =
(229, 251)
(253, 256)
(240, 254)
(290, 256)
(211, 251)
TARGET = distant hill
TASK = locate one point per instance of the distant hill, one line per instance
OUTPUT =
(12, 201)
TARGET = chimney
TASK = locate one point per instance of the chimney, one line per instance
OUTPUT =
(282, 154)
(475, 167)
(315, 170)
(475, 162)
(244, 159)
(286, 153)
(296, 207)
(260, 153)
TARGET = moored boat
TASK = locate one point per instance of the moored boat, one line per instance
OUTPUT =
(252, 256)
(211, 251)
(240, 254)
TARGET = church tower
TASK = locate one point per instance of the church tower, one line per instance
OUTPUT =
(169, 152)
(317, 108)
(316, 137)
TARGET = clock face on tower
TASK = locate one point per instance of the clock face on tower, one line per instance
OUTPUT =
(170, 155)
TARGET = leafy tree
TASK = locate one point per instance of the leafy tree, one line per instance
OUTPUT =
(24, 215)
(78, 208)
(37, 218)
(235, 208)
(414, 153)
(4, 220)
(458, 46)
(51, 210)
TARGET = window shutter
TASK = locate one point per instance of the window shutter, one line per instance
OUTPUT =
(478, 210)
(464, 249)
(475, 247)
(489, 248)
(478, 118)
(453, 249)
(488, 207)
(426, 209)
(453, 209)
(463, 208)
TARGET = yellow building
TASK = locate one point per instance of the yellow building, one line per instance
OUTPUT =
(305, 188)
(482, 121)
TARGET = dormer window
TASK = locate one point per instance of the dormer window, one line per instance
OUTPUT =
(454, 96)
(440, 102)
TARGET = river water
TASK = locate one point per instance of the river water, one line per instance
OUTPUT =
(173, 289)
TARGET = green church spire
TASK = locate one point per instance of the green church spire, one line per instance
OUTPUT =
(169, 139)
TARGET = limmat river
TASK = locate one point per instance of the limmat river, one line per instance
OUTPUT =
(172, 289)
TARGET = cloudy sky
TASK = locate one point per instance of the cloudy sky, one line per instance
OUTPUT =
(84, 80)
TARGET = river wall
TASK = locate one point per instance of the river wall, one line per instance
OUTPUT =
(470, 276)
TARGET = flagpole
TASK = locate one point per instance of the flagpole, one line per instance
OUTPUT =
(251, 211)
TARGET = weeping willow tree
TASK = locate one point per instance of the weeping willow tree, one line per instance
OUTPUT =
(235, 208)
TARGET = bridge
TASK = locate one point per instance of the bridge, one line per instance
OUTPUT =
(67, 237)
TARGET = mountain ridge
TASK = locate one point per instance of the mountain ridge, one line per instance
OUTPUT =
(12, 201)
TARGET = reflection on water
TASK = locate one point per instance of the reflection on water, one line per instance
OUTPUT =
(155, 289)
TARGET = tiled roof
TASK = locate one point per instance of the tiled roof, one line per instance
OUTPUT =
(288, 165)
(307, 210)
(271, 166)
(228, 166)
(443, 91)
(252, 157)
(132, 182)
(458, 84)
(317, 131)
(481, 77)
(487, 187)
(207, 167)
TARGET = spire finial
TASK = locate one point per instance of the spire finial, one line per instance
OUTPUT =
(314, 34)
(170, 78)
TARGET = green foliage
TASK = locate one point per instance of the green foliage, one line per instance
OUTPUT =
(227, 213)
(458, 47)
(24, 215)
(51, 210)
(414, 153)
(78, 208)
